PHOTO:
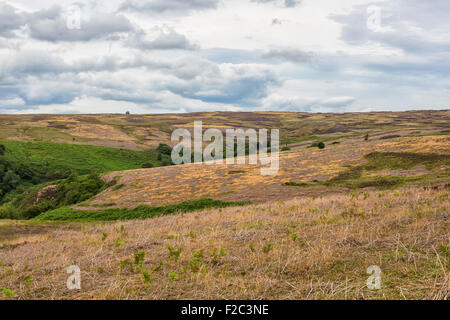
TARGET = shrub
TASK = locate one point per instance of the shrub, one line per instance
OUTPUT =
(37, 209)
(147, 165)
(285, 149)
(164, 149)
(392, 136)
(147, 276)
(9, 293)
(267, 247)
(295, 184)
(119, 186)
(74, 190)
(321, 145)
(139, 256)
(173, 276)
(174, 252)
(8, 211)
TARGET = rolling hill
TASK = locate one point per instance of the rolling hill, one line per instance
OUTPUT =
(377, 194)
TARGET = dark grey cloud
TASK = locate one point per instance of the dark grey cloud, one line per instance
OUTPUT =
(10, 20)
(51, 25)
(167, 39)
(290, 55)
(167, 6)
(284, 3)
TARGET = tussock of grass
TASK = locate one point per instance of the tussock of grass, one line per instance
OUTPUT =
(141, 212)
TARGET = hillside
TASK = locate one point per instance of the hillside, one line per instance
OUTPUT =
(138, 132)
(305, 248)
(310, 166)
(376, 194)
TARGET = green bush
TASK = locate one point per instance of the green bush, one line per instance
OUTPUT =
(164, 149)
(74, 189)
(69, 191)
(321, 145)
(8, 211)
(36, 209)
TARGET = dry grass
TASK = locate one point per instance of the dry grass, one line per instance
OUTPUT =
(305, 248)
(174, 184)
(144, 131)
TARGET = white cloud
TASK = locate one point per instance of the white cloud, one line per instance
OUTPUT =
(178, 56)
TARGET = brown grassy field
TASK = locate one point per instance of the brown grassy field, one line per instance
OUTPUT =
(313, 239)
(170, 185)
(137, 132)
(304, 248)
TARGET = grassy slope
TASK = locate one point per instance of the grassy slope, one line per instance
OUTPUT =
(82, 159)
(309, 248)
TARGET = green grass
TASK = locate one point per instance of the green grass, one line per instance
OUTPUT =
(82, 159)
(141, 212)
(377, 161)
(354, 177)
(434, 134)
(295, 184)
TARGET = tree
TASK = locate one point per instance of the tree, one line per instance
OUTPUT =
(127, 113)
(321, 145)
(11, 179)
(366, 138)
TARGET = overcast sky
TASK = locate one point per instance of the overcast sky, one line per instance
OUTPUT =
(158, 56)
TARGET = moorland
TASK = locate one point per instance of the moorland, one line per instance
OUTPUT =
(100, 192)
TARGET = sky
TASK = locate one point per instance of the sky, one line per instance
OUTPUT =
(166, 56)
